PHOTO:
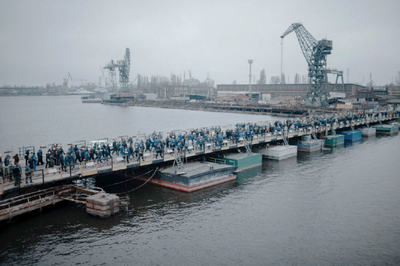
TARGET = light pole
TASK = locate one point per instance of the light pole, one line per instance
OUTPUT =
(250, 62)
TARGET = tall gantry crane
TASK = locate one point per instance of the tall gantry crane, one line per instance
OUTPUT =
(111, 74)
(315, 53)
(123, 68)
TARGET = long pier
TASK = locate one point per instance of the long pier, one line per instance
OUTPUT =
(56, 175)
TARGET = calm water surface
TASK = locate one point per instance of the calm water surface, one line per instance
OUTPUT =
(44, 120)
(334, 208)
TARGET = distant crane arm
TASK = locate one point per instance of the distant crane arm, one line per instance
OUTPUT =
(306, 40)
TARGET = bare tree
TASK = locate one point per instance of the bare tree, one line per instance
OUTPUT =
(283, 79)
(297, 78)
(275, 80)
(263, 78)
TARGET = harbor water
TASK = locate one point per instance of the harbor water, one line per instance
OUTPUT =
(334, 207)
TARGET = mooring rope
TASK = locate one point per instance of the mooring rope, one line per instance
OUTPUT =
(155, 171)
(114, 184)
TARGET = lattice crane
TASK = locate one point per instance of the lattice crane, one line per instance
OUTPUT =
(111, 74)
(124, 68)
(315, 53)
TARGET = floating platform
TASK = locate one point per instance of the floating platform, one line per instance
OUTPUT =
(368, 132)
(242, 161)
(387, 129)
(279, 152)
(353, 135)
(195, 176)
(310, 145)
(334, 140)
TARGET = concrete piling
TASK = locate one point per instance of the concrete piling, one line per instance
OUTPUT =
(102, 205)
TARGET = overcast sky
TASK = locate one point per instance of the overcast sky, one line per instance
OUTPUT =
(41, 41)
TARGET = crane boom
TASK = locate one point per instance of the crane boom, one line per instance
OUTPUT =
(306, 40)
(315, 53)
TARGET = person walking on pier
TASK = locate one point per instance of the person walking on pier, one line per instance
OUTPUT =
(7, 160)
(131, 151)
(62, 162)
(28, 174)
(30, 163)
(141, 150)
(35, 160)
(91, 153)
(48, 159)
(73, 159)
(82, 154)
(159, 149)
(126, 154)
(86, 156)
(115, 148)
(40, 157)
(77, 155)
(106, 152)
(26, 156)
(98, 155)
(10, 171)
(17, 174)
(16, 158)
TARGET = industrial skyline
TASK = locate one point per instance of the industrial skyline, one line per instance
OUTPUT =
(43, 41)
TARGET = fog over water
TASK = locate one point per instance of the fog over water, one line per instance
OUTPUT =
(338, 207)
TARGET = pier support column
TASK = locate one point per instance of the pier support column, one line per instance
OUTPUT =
(102, 205)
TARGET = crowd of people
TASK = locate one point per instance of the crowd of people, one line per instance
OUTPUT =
(136, 148)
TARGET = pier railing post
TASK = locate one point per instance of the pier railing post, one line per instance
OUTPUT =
(2, 185)
(42, 175)
(81, 168)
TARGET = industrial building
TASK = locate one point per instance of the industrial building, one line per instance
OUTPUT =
(292, 90)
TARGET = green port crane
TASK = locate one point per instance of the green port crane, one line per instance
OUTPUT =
(315, 53)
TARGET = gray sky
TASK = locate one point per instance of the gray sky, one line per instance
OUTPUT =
(41, 41)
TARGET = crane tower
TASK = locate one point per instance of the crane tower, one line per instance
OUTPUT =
(124, 67)
(111, 73)
(315, 53)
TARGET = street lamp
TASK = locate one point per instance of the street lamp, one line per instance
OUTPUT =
(250, 62)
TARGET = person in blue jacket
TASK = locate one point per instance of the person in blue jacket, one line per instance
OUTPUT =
(40, 157)
(86, 156)
(17, 174)
(126, 154)
(62, 162)
(35, 160)
(28, 174)
(7, 160)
